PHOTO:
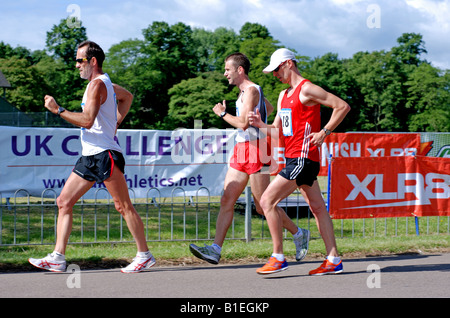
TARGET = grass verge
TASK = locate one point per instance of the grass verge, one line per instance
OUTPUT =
(101, 256)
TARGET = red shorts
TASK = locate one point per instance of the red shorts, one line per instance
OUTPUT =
(250, 157)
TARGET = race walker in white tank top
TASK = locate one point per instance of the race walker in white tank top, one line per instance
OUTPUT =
(251, 133)
(100, 136)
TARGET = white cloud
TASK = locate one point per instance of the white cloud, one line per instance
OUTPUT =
(434, 25)
(438, 11)
(312, 28)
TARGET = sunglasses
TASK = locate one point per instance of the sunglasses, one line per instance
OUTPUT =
(278, 68)
(82, 60)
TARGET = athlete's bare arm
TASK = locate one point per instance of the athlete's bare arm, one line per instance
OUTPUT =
(97, 94)
(312, 94)
(273, 129)
(250, 100)
(124, 100)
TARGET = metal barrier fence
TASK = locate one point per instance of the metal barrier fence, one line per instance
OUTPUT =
(26, 220)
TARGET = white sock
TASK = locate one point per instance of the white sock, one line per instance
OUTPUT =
(143, 254)
(58, 255)
(334, 259)
(279, 257)
(298, 234)
(217, 248)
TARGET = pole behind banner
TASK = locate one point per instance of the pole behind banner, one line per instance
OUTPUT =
(417, 226)
(329, 183)
(248, 214)
(416, 218)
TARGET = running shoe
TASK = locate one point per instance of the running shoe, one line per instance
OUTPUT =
(327, 268)
(272, 266)
(302, 245)
(206, 253)
(139, 264)
(51, 262)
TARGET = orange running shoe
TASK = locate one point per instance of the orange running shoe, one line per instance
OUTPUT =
(327, 268)
(272, 266)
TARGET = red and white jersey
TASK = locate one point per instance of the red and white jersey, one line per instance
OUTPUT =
(298, 121)
(251, 133)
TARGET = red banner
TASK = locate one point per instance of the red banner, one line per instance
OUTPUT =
(390, 187)
(360, 145)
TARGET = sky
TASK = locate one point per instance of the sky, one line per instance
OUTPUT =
(311, 27)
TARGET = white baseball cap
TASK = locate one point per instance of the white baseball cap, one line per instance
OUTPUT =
(278, 57)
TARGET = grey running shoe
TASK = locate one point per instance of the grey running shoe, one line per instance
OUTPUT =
(302, 245)
(206, 253)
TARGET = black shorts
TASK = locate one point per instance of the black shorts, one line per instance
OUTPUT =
(302, 170)
(99, 167)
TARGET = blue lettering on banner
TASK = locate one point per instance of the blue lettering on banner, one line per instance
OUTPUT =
(145, 152)
(135, 182)
(163, 145)
(42, 147)
(162, 160)
(27, 149)
(176, 146)
(157, 182)
(65, 148)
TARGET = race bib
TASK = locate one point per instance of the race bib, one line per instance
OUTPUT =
(286, 122)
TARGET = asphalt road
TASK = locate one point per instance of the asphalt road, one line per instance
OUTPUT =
(404, 276)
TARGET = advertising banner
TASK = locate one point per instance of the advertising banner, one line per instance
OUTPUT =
(390, 187)
(35, 159)
(360, 145)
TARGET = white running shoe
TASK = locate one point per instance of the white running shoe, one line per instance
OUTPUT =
(51, 262)
(139, 264)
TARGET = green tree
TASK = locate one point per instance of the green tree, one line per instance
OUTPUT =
(213, 47)
(65, 82)
(166, 56)
(429, 99)
(125, 65)
(62, 41)
(330, 73)
(193, 99)
(7, 51)
(380, 83)
(411, 47)
(253, 30)
(28, 84)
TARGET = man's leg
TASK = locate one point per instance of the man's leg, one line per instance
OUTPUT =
(333, 263)
(234, 185)
(235, 182)
(73, 190)
(118, 189)
(313, 197)
(277, 190)
(259, 183)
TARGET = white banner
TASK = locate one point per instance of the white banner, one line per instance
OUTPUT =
(35, 159)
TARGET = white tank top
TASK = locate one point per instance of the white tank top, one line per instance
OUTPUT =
(101, 135)
(251, 133)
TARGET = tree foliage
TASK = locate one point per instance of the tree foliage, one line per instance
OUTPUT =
(176, 75)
